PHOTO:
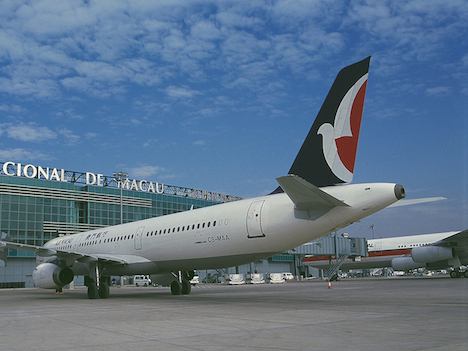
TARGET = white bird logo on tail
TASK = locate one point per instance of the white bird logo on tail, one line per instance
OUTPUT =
(339, 141)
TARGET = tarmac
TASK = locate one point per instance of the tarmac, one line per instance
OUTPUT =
(399, 313)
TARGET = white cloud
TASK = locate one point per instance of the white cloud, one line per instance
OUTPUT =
(30, 132)
(101, 48)
(199, 143)
(12, 108)
(410, 30)
(91, 135)
(181, 92)
(204, 30)
(70, 138)
(145, 172)
(20, 154)
(438, 91)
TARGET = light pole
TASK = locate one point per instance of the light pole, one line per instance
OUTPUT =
(372, 227)
(120, 177)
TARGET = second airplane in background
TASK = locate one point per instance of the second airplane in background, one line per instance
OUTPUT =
(403, 253)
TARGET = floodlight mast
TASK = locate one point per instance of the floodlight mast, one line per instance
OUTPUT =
(120, 177)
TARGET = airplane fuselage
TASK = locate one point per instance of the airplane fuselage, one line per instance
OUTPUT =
(223, 235)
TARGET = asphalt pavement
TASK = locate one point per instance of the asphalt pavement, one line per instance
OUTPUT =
(398, 313)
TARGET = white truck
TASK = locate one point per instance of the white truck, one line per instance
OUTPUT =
(141, 280)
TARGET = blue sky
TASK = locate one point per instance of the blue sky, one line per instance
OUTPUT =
(219, 95)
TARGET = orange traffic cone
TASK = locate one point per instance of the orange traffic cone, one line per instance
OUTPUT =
(329, 284)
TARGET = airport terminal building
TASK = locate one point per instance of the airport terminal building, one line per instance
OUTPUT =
(40, 203)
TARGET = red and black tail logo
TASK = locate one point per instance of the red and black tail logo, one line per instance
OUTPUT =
(328, 154)
(340, 140)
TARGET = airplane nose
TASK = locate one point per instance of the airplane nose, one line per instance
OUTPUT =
(399, 191)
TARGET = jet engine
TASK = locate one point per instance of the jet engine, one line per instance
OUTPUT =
(421, 256)
(51, 276)
(405, 264)
(428, 254)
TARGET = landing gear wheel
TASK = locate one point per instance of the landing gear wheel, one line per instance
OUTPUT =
(176, 288)
(186, 287)
(454, 274)
(104, 290)
(466, 274)
(93, 292)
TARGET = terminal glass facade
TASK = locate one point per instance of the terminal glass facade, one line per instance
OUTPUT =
(33, 211)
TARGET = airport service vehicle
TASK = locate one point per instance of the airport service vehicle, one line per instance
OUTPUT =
(288, 276)
(141, 280)
(195, 280)
(312, 200)
(432, 251)
(275, 278)
(255, 278)
(235, 279)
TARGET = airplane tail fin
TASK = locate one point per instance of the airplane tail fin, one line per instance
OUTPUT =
(328, 154)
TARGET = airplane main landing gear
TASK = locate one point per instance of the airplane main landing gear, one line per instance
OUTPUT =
(93, 291)
(181, 286)
(186, 287)
(98, 287)
(176, 288)
(457, 273)
(104, 288)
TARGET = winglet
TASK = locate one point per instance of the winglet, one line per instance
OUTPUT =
(306, 196)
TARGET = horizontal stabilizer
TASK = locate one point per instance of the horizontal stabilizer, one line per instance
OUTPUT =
(416, 201)
(307, 197)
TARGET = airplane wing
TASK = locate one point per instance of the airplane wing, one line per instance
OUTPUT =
(459, 242)
(70, 256)
(39, 250)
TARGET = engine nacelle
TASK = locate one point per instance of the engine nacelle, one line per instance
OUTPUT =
(428, 254)
(405, 264)
(51, 276)
(163, 279)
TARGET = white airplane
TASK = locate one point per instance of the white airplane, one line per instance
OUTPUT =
(311, 201)
(431, 251)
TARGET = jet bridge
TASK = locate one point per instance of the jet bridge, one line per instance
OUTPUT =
(336, 247)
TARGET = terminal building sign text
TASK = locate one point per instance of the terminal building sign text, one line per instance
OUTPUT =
(60, 175)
